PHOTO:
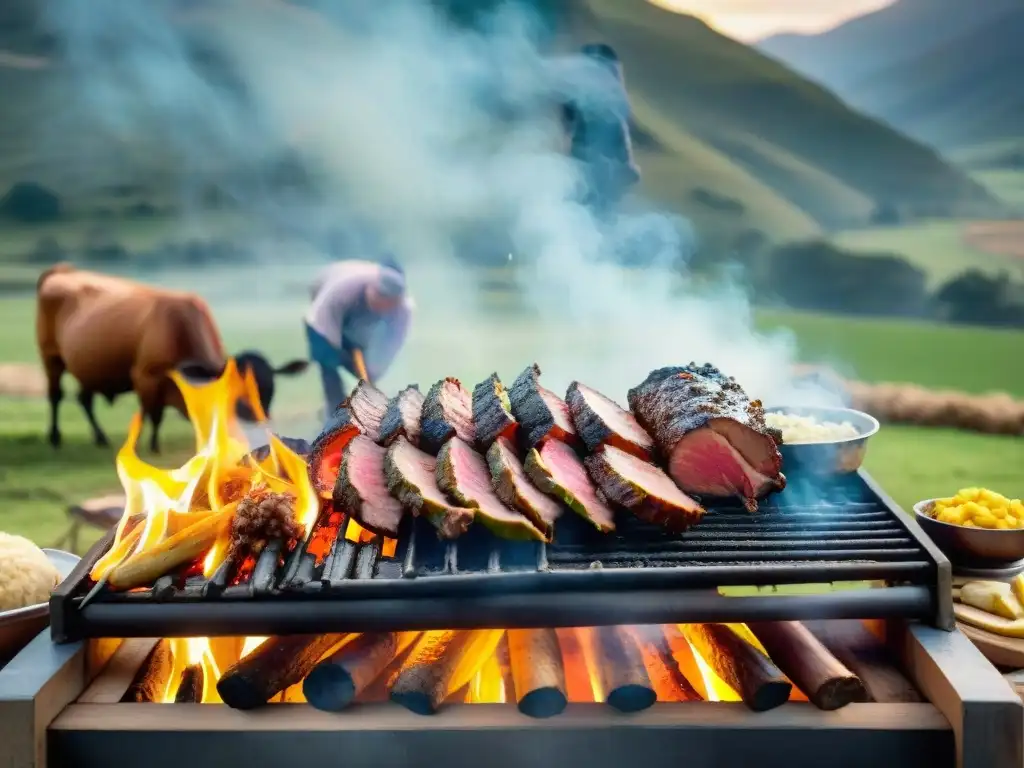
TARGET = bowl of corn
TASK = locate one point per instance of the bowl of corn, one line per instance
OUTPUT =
(977, 525)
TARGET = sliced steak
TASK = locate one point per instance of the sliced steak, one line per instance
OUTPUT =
(361, 490)
(368, 405)
(673, 403)
(540, 412)
(642, 488)
(411, 478)
(705, 463)
(557, 471)
(325, 453)
(492, 413)
(462, 474)
(447, 413)
(402, 417)
(513, 487)
(599, 420)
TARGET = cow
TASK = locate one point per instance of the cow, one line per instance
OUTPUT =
(115, 336)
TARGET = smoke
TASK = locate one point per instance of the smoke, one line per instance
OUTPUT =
(434, 136)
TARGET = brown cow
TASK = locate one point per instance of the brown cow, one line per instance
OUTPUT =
(114, 336)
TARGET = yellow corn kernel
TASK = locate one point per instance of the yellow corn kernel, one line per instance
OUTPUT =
(1002, 524)
(998, 512)
(985, 521)
(1012, 521)
(972, 509)
(1016, 508)
(992, 498)
(969, 524)
(949, 516)
(968, 494)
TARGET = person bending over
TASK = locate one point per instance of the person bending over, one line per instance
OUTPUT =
(357, 321)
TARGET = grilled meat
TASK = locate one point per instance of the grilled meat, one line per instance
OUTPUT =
(402, 416)
(325, 453)
(642, 488)
(296, 444)
(361, 490)
(514, 488)
(540, 412)
(447, 413)
(599, 420)
(713, 437)
(411, 478)
(368, 405)
(557, 471)
(462, 474)
(492, 412)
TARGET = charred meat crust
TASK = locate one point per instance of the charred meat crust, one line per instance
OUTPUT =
(513, 487)
(447, 413)
(361, 489)
(463, 475)
(540, 412)
(642, 488)
(599, 420)
(411, 478)
(402, 417)
(557, 471)
(368, 405)
(325, 453)
(492, 412)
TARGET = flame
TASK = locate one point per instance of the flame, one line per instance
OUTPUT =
(189, 652)
(707, 682)
(578, 687)
(589, 654)
(487, 685)
(161, 502)
(250, 645)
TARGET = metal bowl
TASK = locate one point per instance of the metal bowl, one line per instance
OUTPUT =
(971, 546)
(839, 457)
(19, 626)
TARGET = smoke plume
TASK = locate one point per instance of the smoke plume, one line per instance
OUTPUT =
(437, 137)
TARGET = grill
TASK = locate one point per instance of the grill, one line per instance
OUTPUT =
(844, 530)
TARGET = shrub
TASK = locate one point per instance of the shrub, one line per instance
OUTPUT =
(30, 203)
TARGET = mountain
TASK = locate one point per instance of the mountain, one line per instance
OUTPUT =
(964, 92)
(724, 135)
(875, 42)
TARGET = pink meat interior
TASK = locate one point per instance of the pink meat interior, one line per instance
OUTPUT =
(647, 476)
(419, 468)
(474, 480)
(458, 408)
(366, 472)
(620, 420)
(568, 471)
(705, 462)
(558, 409)
(548, 509)
(368, 405)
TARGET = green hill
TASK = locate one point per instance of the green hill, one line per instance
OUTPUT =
(725, 135)
(965, 92)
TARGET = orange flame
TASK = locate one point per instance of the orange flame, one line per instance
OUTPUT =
(193, 651)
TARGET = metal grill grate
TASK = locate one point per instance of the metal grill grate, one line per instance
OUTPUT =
(841, 531)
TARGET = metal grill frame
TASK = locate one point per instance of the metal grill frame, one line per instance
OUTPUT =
(398, 594)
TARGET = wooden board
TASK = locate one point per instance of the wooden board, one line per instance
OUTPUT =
(1001, 651)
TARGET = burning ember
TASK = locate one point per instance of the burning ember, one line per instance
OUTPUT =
(629, 668)
(222, 513)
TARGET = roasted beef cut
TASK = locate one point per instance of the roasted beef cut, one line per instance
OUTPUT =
(642, 488)
(462, 474)
(513, 487)
(713, 437)
(540, 412)
(402, 417)
(599, 420)
(325, 453)
(492, 413)
(361, 490)
(557, 471)
(447, 413)
(368, 405)
(411, 477)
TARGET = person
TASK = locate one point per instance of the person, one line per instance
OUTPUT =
(360, 312)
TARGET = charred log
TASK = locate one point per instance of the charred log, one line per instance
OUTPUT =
(152, 678)
(340, 561)
(367, 559)
(423, 681)
(667, 679)
(620, 666)
(809, 665)
(262, 580)
(337, 680)
(742, 666)
(190, 686)
(537, 672)
(277, 663)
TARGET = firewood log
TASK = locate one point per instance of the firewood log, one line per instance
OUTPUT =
(276, 664)
(190, 687)
(667, 679)
(336, 681)
(820, 675)
(621, 671)
(424, 680)
(153, 676)
(741, 665)
(537, 672)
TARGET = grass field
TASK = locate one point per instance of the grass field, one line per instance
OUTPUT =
(938, 247)
(37, 483)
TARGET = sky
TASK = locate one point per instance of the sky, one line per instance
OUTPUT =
(750, 20)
